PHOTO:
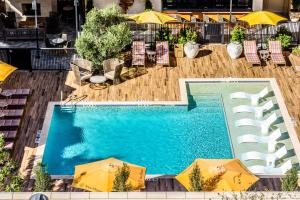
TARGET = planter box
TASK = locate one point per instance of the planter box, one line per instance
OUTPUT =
(178, 49)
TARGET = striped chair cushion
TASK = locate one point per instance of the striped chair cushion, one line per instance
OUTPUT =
(250, 47)
(252, 58)
(138, 59)
(278, 58)
(275, 47)
(162, 53)
(138, 47)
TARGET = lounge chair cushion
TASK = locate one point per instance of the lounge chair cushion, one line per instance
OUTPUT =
(138, 59)
(110, 75)
(277, 58)
(252, 58)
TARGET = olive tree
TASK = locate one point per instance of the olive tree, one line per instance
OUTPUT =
(104, 35)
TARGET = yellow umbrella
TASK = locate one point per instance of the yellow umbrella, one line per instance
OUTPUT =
(5, 70)
(152, 17)
(262, 17)
(227, 174)
(99, 176)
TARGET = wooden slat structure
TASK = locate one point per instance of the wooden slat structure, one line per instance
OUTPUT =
(159, 83)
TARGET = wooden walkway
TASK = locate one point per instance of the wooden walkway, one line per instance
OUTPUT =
(159, 83)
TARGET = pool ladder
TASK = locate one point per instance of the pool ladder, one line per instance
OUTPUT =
(69, 105)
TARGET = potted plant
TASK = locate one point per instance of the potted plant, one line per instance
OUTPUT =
(235, 47)
(285, 37)
(295, 11)
(189, 38)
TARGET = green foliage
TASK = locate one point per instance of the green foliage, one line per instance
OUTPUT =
(187, 35)
(120, 183)
(148, 5)
(284, 36)
(195, 179)
(238, 34)
(296, 51)
(296, 4)
(104, 35)
(290, 181)
(42, 180)
(10, 181)
(165, 34)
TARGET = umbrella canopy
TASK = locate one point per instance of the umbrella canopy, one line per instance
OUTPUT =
(152, 17)
(233, 175)
(5, 70)
(262, 17)
(99, 176)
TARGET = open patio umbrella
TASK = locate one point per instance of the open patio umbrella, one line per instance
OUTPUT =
(233, 175)
(99, 176)
(262, 18)
(152, 17)
(5, 70)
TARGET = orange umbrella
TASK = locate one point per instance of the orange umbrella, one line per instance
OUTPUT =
(5, 70)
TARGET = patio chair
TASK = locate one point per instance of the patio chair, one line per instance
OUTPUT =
(253, 97)
(259, 169)
(264, 125)
(138, 53)
(277, 57)
(250, 51)
(270, 140)
(257, 110)
(16, 92)
(12, 113)
(9, 134)
(82, 70)
(113, 69)
(270, 158)
(162, 53)
(5, 123)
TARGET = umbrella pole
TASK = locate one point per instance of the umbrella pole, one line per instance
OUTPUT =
(261, 37)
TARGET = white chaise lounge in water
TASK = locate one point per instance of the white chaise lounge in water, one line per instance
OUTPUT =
(257, 110)
(271, 139)
(259, 169)
(269, 158)
(264, 125)
(253, 97)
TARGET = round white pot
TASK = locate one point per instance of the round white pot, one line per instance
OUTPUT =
(191, 49)
(234, 50)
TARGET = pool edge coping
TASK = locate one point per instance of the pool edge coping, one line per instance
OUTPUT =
(183, 101)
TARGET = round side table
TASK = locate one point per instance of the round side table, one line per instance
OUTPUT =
(98, 82)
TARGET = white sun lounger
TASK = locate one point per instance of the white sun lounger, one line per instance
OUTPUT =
(253, 97)
(271, 139)
(269, 158)
(264, 125)
(259, 169)
(257, 110)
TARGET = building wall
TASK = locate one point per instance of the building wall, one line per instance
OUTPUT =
(104, 3)
(279, 6)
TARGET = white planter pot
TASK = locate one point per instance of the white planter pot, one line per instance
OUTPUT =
(191, 49)
(234, 50)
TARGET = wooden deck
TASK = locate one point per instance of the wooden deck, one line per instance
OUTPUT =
(159, 83)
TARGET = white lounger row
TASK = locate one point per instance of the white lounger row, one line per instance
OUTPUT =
(253, 97)
(257, 110)
(259, 169)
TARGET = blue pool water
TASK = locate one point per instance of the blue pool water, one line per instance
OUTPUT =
(164, 139)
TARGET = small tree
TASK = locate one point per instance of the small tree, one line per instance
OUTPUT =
(290, 181)
(238, 34)
(104, 35)
(195, 179)
(120, 183)
(43, 180)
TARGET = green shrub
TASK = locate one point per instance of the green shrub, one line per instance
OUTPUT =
(296, 4)
(165, 34)
(290, 182)
(284, 36)
(104, 35)
(187, 35)
(148, 5)
(238, 34)
(296, 51)
(10, 181)
(120, 183)
(195, 179)
(42, 180)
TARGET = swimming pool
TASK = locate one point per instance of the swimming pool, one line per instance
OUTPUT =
(164, 139)
(163, 136)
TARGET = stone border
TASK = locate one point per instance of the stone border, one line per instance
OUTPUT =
(151, 195)
(182, 102)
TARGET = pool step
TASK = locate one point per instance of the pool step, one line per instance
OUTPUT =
(68, 109)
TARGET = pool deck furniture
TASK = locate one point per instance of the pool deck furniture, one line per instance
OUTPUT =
(81, 74)
(138, 53)
(14, 103)
(264, 125)
(151, 55)
(270, 140)
(17, 92)
(162, 53)
(259, 169)
(98, 81)
(113, 69)
(9, 134)
(270, 158)
(264, 54)
(12, 112)
(250, 51)
(253, 97)
(277, 57)
(257, 110)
